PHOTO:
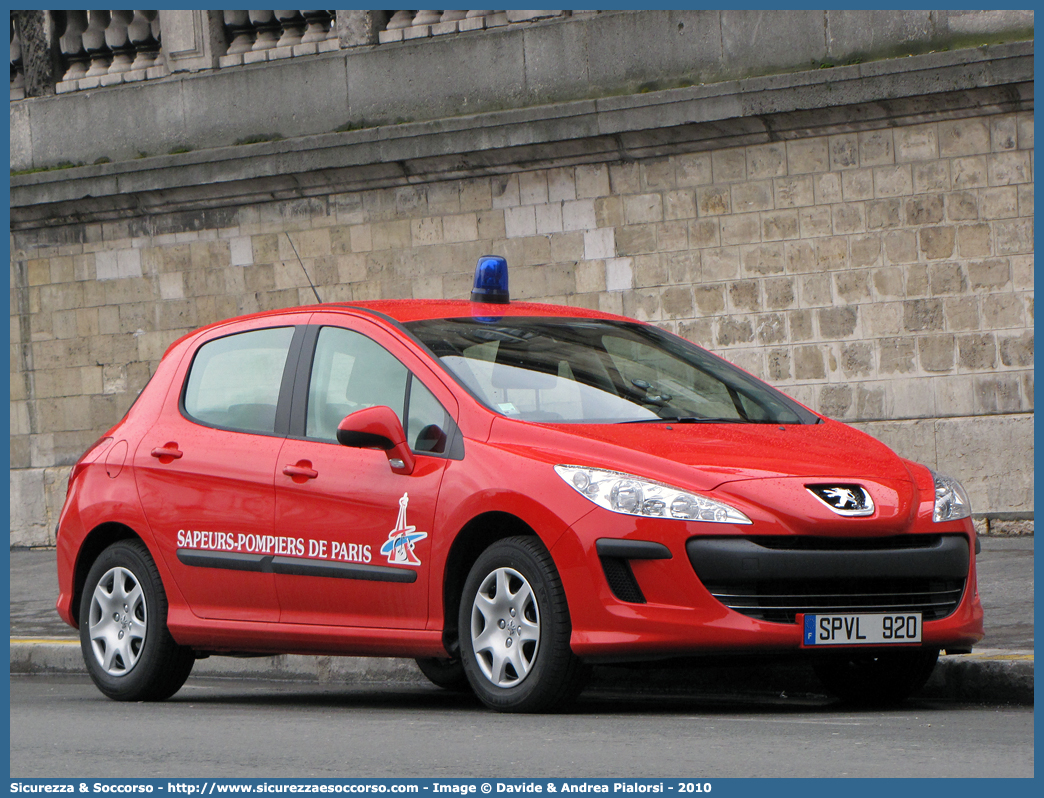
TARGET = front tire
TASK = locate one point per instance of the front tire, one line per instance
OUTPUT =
(514, 630)
(875, 678)
(128, 651)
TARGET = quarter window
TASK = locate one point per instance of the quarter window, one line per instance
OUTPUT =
(234, 381)
(428, 425)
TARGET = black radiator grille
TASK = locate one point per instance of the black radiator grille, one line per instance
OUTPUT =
(774, 578)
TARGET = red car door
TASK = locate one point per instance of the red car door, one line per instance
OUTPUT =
(365, 530)
(205, 472)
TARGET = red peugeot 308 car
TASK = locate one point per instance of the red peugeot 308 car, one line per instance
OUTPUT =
(506, 492)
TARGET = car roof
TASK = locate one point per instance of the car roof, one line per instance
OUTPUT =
(404, 310)
(407, 310)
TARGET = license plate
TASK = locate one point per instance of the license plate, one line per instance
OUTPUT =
(865, 629)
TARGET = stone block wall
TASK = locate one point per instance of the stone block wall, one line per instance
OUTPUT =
(883, 278)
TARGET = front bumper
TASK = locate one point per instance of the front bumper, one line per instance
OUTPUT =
(681, 616)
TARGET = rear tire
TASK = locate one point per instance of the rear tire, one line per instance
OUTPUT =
(128, 651)
(514, 630)
(445, 673)
(875, 678)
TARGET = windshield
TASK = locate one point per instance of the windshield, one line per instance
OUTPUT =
(596, 372)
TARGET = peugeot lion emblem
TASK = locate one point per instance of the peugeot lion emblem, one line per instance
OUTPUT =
(850, 500)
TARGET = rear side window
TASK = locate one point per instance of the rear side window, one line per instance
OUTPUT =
(234, 381)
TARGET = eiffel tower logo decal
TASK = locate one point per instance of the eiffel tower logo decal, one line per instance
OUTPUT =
(401, 543)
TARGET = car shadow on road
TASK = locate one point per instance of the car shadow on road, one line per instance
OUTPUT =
(421, 698)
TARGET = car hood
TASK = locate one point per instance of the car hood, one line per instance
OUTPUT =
(706, 456)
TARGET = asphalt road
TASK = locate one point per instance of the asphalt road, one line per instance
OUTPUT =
(63, 727)
(1005, 569)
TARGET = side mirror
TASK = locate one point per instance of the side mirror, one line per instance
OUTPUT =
(378, 428)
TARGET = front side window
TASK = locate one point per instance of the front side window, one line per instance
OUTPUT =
(593, 371)
(350, 372)
(234, 381)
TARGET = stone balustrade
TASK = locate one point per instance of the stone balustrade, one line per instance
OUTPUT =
(106, 48)
(256, 36)
(408, 25)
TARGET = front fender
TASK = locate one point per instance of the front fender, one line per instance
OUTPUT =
(495, 479)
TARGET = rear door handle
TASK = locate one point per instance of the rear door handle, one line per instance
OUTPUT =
(169, 450)
(301, 471)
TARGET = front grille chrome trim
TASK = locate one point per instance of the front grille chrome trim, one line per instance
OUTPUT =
(777, 608)
(809, 596)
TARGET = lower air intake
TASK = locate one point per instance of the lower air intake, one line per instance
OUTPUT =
(621, 580)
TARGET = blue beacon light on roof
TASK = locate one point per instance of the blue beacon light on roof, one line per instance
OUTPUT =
(491, 281)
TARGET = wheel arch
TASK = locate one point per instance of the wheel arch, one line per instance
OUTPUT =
(475, 537)
(99, 539)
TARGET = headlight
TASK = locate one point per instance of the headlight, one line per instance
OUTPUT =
(631, 495)
(951, 502)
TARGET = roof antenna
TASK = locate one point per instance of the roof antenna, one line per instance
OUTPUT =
(309, 279)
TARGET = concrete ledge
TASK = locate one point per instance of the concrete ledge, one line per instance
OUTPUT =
(996, 79)
(989, 676)
(610, 53)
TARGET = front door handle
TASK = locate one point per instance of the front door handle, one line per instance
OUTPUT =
(301, 471)
(167, 452)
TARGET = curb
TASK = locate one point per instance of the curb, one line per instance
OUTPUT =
(988, 676)
(58, 656)
(991, 676)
